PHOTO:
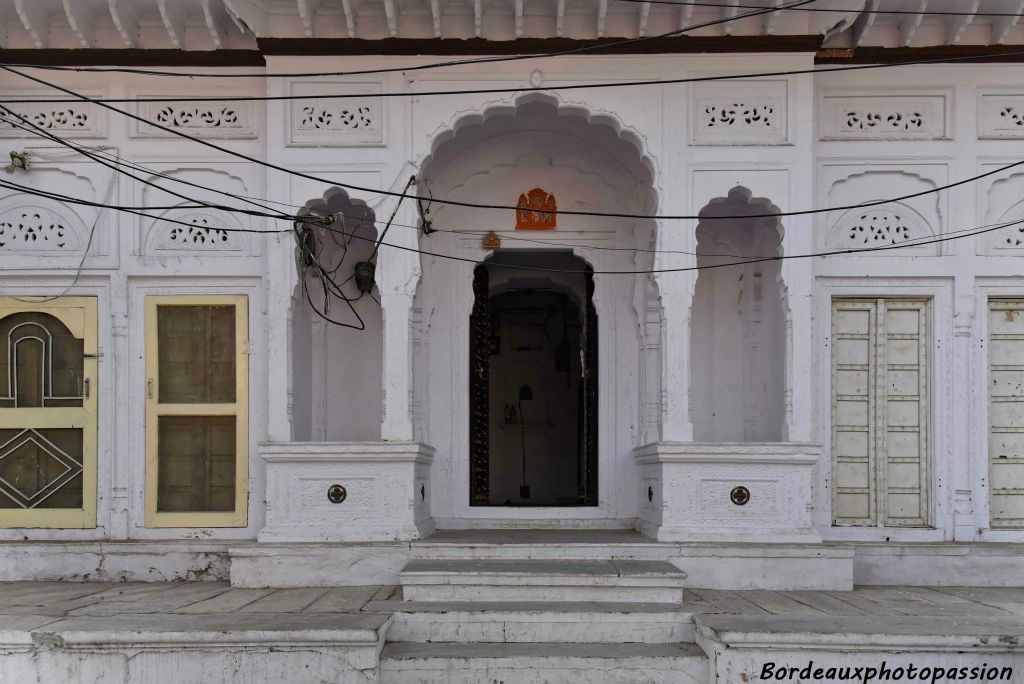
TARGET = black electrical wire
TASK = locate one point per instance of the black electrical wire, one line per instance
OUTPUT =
(935, 13)
(363, 219)
(27, 125)
(307, 217)
(424, 228)
(757, 11)
(129, 210)
(941, 238)
(348, 238)
(524, 89)
(848, 251)
(327, 283)
(477, 205)
(376, 246)
(334, 288)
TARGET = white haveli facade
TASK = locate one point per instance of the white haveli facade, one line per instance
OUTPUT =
(803, 422)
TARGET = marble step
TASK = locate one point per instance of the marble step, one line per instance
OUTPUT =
(542, 580)
(541, 544)
(536, 622)
(543, 663)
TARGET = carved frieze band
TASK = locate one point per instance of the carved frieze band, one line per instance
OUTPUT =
(883, 117)
(746, 113)
(66, 120)
(234, 120)
(1001, 116)
(354, 120)
(740, 115)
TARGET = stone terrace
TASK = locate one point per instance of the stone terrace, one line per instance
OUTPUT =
(127, 632)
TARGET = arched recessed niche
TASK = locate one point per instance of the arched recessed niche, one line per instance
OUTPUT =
(337, 371)
(738, 327)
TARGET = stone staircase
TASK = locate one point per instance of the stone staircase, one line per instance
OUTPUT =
(471, 615)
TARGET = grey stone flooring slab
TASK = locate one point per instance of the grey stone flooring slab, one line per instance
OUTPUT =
(30, 605)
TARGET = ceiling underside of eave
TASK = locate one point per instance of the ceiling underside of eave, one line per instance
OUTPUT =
(199, 25)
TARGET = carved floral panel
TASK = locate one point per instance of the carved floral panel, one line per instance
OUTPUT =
(201, 119)
(195, 232)
(1009, 239)
(351, 121)
(36, 229)
(1001, 116)
(740, 121)
(67, 120)
(740, 113)
(883, 117)
(880, 227)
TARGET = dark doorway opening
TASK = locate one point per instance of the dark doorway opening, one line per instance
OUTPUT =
(533, 381)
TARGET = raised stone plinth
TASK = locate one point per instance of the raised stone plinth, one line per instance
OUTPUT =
(346, 491)
(735, 492)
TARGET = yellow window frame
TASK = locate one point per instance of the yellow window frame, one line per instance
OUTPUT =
(239, 409)
(78, 314)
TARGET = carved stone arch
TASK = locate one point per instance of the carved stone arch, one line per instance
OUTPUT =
(491, 155)
(1004, 207)
(196, 232)
(39, 226)
(1012, 236)
(882, 226)
(463, 120)
(903, 220)
(347, 209)
(738, 203)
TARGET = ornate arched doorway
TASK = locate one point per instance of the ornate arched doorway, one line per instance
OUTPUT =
(580, 467)
(533, 376)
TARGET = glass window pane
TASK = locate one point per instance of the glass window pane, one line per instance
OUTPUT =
(41, 363)
(196, 457)
(196, 354)
(41, 468)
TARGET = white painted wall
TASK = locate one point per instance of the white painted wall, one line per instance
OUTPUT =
(649, 149)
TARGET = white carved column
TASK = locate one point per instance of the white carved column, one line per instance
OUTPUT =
(398, 273)
(798, 278)
(675, 242)
(676, 290)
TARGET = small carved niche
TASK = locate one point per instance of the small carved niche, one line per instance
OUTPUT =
(535, 211)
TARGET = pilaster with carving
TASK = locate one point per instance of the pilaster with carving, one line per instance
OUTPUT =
(282, 279)
(964, 523)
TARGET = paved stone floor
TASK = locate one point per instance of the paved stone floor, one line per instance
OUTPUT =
(31, 605)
